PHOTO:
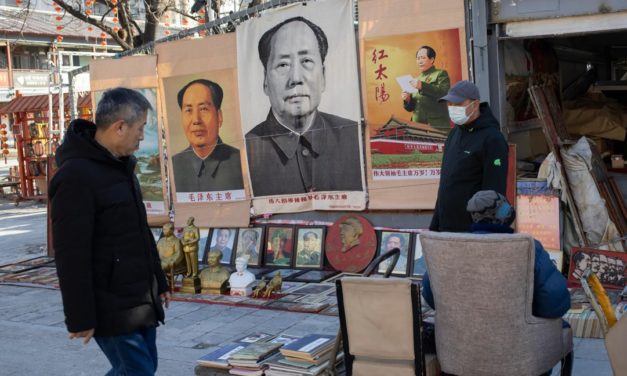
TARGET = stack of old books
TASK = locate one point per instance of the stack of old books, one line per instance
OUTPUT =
(251, 360)
(308, 356)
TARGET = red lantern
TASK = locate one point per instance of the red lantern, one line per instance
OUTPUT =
(58, 18)
(59, 38)
(103, 43)
(3, 126)
(59, 28)
(5, 151)
(167, 32)
(115, 19)
(114, 11)
(89, 28)
(115, 29)
(88, 12)
(201, 21)
(185, 21)
(57, 8)
(103, 35)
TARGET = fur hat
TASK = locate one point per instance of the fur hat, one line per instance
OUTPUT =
(490, 207)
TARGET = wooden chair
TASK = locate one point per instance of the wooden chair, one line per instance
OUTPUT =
(483, 290)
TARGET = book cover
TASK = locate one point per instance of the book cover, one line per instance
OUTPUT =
(255, 337)
(219, 358)
(256, 351)
(309, 346)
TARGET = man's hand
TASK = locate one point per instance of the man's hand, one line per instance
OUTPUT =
(416, 83)
(87, 334)
(165, 299)
(405, 95)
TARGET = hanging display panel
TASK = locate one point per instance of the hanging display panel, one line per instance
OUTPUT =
(298, 67)
(139, 73)
(198, 84)
(412, 52)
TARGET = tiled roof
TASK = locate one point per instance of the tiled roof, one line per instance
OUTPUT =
(39, 103)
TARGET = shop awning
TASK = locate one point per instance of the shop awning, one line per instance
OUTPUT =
(39, 103)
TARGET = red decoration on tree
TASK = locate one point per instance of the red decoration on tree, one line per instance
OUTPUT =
(59, 28)
(115, 29)
(57, 8)
(58, 18)
(59, 38)
(88, 12)
(89, 28)
(167, 32)
(103, 35)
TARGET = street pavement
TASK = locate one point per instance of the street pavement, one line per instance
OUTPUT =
(33, 338)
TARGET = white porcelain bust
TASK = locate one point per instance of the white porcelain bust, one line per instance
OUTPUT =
(242, 280)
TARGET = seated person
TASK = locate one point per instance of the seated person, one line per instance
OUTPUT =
(491, 213)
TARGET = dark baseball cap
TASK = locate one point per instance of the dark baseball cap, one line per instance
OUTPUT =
(461, 91)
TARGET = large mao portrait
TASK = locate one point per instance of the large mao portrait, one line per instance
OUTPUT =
(309, 247)
(300, 66)
(389, 241)
(405, 77)
(249, 242)
(280, 246)
(203, 137)
(223, 240)
(148, 167)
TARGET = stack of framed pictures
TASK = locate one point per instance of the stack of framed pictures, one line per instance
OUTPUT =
(294, 250)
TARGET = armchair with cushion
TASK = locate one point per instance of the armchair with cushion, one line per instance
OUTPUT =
(483, 289)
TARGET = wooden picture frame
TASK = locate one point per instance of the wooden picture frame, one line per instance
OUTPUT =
(250, 242)
(418, 265)
(309, 249)
(393, 239)
(281, 237)
(216, 241)
(607, 265)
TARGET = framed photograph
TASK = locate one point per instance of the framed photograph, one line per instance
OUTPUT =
(419, 267)
(608, 266)
(202, 244)
(223, 240)
(390, 240)
(249, 242)
(309, 247)
(279, 249)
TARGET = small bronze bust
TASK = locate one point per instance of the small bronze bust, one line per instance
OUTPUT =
(214, 278)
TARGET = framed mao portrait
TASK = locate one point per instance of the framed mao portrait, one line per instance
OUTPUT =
(249, 244)
(419, 267)
(390, 240)
(223, 240)
(279, 249)
(309, 247)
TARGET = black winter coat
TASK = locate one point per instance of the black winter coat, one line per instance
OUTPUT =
(107, 260)
(475, 159)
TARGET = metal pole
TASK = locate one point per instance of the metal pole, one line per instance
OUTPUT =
(61, 104)
(72, 95)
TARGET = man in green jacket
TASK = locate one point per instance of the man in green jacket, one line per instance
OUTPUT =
(432, 84)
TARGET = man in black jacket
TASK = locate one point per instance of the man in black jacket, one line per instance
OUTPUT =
(475, 158)
(109, 271)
